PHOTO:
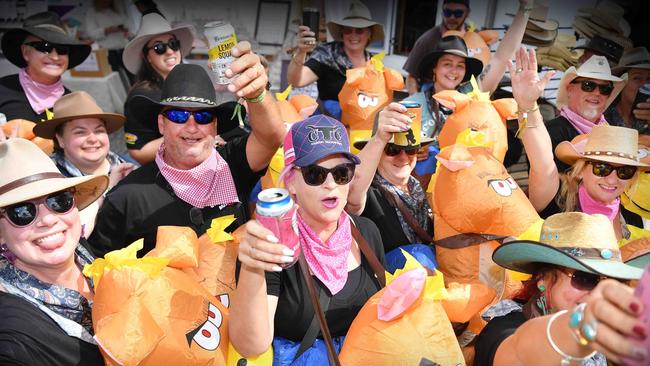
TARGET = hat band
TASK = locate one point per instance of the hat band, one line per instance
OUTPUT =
(589, 253)
(188, 99)
(638, 62)
(357, 18)
(28, 179)
(610, 153)
(465, 240)
(51, 27)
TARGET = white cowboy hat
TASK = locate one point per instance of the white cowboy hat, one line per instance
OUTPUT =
(633, 58)
(357, 17)
(597, 67)
(153, 25)
(28, 173)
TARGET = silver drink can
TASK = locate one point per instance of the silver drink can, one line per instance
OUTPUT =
(275, 211)
(221, 39)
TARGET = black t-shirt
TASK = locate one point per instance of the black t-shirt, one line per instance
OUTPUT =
(144, 200)
(560, 129)
(14, 103)
(29, 337)
(295, 312)
(494, 333)
(141, 125)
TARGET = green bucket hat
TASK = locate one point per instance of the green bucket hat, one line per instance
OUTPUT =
(574, 240)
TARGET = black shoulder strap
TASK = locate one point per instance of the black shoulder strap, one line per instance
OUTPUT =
(312, 332)
(408, 216)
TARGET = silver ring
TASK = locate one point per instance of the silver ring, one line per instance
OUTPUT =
(519, 70)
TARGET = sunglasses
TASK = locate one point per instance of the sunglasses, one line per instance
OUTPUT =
(202, 117)
(24, 213)
(160, 47)
(47, 47)
(458, 13)
(582, 280)
(394, 150)
(315, 175)
(350, 30)
(602, 169)
(588, 86)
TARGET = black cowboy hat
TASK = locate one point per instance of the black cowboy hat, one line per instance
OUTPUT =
(48, 27)
(600, 45)
(452, 45)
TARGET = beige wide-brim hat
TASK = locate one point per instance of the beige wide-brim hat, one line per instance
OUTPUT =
(155, 25)
(612, 144)
(633, 58)
(597, 67)
(538, 18)
(608, 14)
(76, 105)
(28, 173)
(574, 240)
(358, 17)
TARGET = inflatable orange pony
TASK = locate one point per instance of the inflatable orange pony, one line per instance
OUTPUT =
(23, 128)
(478, 43)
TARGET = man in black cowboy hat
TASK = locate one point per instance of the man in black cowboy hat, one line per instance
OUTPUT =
(190, 183)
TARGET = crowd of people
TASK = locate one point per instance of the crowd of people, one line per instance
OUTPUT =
(60, 212)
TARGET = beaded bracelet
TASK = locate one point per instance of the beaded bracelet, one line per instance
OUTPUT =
(566, 359)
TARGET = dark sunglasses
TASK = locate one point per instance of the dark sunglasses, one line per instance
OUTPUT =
(202, 117)
(315, 175)
(602, 169)
(350, 30)
(582, 280)
(24, 213)
(47, 47)
(394, 150)
(458, 13)
(160, 47)
(588, 86)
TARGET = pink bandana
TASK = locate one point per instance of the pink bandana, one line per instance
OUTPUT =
(590, 206)
(207, 184)
(580, 123)
(40, 96)
(328, 261)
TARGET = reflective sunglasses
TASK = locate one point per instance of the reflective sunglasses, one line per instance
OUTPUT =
(160, 47)
(315, 175)
(394, 150)
(458, 13)
(602, 169)
(47, 47)
(582, 280)
(350, 30)
(202, 117)
(588, 86)
(24, 213)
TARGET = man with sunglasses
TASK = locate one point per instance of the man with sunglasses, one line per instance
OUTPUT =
(583, 96)
(189, 183)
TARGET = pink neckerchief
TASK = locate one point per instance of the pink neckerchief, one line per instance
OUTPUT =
(590, 206)
(207, 184)
(328, 261)
(40, 96)
(580, 123)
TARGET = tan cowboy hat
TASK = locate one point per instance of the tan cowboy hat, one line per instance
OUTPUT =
(358, 17)
(76, 105)
(608, 14)
(28, 173)
(537, 20)
(607, 143)
(633, 58)
(153, 25)
(597, 67)
(574, 240)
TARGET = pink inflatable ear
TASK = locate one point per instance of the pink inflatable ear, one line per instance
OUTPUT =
(452, 99)
(506, 107)
(455, 157)
(400, 294)
(353, 77)
(394, 80)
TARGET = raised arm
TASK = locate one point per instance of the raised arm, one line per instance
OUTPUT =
(298, 74)
(511, 41)
(267, 129)
(543, 177)
(391, 119)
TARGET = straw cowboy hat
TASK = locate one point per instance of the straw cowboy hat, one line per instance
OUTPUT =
(540, 31)
(606, 14)
(153, 25)
(597, 67)
(633, 58)
(48, 27)
(559, 55)
(453, 45)
(28, 173)
(358, 16)
(607, 143)
(575, 240)
(76, 105)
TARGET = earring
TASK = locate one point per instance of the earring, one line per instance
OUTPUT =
(541, 301)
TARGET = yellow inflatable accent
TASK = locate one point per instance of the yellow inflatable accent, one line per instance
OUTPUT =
(265, 359)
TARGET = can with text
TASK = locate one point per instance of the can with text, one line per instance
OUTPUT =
(275, 211)
(411, 137)
(221, 39)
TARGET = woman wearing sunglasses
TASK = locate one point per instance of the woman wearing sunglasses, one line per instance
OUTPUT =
(271, 304)
(151, 55)
(569, 312)
(45, 300)
(603, 163)
(328, 62)
(43, 51)
(384, 190)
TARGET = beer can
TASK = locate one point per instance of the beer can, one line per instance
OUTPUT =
(275, 211)
(221, 39)
(410, 137)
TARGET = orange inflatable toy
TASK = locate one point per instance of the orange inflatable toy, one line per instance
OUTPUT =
(24, 128)
(478, 43)
(296, 108)
(478, 112)
(366, 91)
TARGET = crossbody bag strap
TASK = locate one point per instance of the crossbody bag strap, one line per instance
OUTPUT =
(408, 216)
(374, 262)
(312, 332)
